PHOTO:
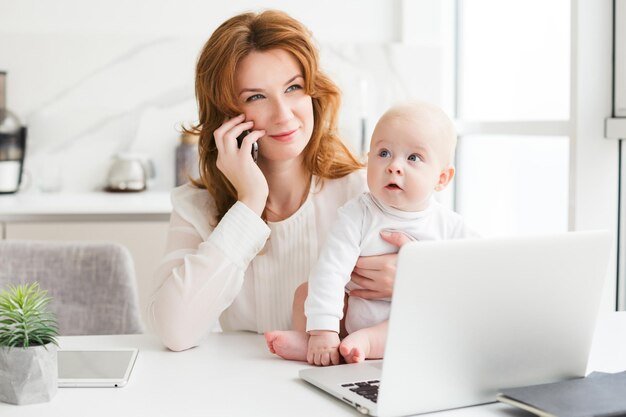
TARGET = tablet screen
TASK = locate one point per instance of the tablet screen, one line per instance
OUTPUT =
(95, 365)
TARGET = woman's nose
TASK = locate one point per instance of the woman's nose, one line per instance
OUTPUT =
(282, 111)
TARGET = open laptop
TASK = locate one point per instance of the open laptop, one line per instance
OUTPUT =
(472, 316)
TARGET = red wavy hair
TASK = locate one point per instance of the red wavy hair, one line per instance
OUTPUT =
(325, 156)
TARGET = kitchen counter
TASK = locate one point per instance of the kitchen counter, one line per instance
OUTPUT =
(88, 206)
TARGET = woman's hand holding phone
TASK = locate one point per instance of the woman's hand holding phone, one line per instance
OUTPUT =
(237, 164)
(255, 146)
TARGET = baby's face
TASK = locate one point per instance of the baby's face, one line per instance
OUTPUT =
(405, 163)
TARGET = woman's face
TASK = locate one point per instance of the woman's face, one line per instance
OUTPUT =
(270, 89)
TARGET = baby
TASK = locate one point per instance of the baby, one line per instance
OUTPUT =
(411, 157)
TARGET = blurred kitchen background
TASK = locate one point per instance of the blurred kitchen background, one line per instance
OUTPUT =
(92, 79)
(528, 83)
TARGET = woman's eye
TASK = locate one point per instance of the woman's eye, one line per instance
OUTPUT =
(414, 157)
(293, 88)
(384, 153)
(254, 97)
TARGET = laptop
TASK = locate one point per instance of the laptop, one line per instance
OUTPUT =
(470, 317)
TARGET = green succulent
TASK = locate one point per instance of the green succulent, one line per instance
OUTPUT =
(24, 318)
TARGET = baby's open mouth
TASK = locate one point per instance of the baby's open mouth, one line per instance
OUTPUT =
(393, 186)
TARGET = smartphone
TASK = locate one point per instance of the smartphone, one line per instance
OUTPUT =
(255, 146)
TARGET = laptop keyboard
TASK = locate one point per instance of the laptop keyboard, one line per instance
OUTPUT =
(367, 389)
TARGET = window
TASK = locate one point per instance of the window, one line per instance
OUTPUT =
(512, 108)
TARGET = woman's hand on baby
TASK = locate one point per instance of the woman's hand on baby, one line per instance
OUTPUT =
(237, 164)
(377, 274)
(323, 349)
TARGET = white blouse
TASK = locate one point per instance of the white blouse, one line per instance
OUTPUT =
(243, 271)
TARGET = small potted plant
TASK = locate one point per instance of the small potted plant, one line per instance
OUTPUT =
(28, 346)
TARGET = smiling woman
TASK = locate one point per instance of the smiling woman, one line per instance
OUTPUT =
(257, 73)
(267, 67)
(273, 99)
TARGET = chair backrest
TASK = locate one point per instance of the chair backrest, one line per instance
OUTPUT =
(93, 285)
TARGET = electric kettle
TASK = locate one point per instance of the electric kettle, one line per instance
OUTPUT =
(130, 172)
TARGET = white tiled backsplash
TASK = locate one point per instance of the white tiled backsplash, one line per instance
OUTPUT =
(87, 95)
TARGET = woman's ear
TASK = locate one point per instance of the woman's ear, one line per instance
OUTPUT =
(445, 176)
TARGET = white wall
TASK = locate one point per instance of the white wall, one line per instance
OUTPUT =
(330, 20)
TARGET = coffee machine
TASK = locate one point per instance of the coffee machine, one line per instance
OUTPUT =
(12, 145)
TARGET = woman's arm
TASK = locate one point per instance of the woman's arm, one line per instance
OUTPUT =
(198, 279)
(376, 274)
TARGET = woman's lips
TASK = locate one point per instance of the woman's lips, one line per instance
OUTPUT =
(284, 136)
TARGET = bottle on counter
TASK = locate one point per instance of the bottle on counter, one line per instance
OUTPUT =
(187, 158)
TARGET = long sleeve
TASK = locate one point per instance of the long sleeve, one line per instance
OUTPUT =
(236, 273)
(324, 303)
(203, 269)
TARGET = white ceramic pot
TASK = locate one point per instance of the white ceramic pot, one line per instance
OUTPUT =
(28, 376)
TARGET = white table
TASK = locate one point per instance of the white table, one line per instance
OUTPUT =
(233, 374)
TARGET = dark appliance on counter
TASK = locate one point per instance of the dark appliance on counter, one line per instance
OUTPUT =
(12, 145)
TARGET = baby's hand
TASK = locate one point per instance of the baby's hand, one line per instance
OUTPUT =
(323, 348)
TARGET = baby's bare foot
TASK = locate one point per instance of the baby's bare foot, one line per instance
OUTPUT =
(291, 345)
(367, 343)
(355, 347)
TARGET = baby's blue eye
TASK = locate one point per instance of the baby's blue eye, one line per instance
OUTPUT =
(414, 157)
(384, 153)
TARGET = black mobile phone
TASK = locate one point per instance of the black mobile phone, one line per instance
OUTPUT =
(255, 146)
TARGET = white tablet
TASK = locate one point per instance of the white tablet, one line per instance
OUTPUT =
(95, 368)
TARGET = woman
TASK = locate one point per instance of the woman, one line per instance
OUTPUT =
(245, 235)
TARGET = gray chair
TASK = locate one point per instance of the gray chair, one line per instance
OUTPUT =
(93, 284)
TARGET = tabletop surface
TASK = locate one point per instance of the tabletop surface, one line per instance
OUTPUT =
(234, 374)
